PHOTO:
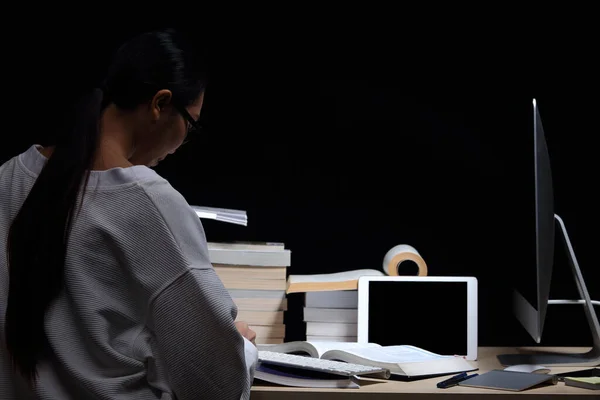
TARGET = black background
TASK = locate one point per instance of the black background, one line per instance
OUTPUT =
(437, 306)
(347, 139)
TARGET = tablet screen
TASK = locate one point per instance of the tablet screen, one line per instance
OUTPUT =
(430, 315)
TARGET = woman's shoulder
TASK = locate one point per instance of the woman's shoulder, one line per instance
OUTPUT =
(180, 219)
(176, 212)
(162, 193)
(144, 201)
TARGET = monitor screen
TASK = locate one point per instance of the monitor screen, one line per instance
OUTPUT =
(521, 270)
(544, 217)
(531, 277)
(430, 315)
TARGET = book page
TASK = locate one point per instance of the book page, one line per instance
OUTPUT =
(394, 354)
(324, 347)
(335, 277)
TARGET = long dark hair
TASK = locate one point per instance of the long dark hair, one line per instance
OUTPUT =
(38, 237)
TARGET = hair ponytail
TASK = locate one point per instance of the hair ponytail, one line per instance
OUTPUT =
(38, 237)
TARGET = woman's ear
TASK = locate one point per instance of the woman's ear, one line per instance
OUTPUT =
(159, 102)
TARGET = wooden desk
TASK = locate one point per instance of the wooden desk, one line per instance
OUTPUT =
(426, 389)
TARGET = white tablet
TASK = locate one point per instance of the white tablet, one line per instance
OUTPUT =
(435, 313)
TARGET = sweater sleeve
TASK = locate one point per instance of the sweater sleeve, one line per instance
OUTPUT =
(193, 315)
(205, 356)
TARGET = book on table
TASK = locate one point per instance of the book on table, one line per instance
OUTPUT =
(592, 382)
(401, 360)
(310, 379)
(331, 316)
(348, 280)
(254, 274)
(331, 299)
(254, 254)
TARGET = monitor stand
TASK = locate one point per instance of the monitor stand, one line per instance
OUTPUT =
(588, 359)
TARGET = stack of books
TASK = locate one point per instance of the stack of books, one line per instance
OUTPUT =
(331, 316)
(330, 304)
(254, 274)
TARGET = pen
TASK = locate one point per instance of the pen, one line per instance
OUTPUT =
(454, 380)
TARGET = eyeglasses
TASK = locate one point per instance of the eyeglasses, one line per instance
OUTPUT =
(193, 126)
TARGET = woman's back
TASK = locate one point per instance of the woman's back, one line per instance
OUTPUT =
(140, 297)
(106, 289)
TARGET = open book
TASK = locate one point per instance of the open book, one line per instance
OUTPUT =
(349, 280)
(326, 282)
(402, 360)
(238, 217)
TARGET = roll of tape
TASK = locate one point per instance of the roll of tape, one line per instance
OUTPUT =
(392, 262)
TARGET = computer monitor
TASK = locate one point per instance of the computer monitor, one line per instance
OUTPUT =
(531, 293)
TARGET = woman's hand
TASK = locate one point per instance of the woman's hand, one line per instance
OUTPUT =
(245, 331)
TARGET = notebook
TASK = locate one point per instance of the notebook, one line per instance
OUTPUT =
(509, 380)
(592, 383)
(280, 375)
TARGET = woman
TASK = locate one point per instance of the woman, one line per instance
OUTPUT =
(106, 288)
